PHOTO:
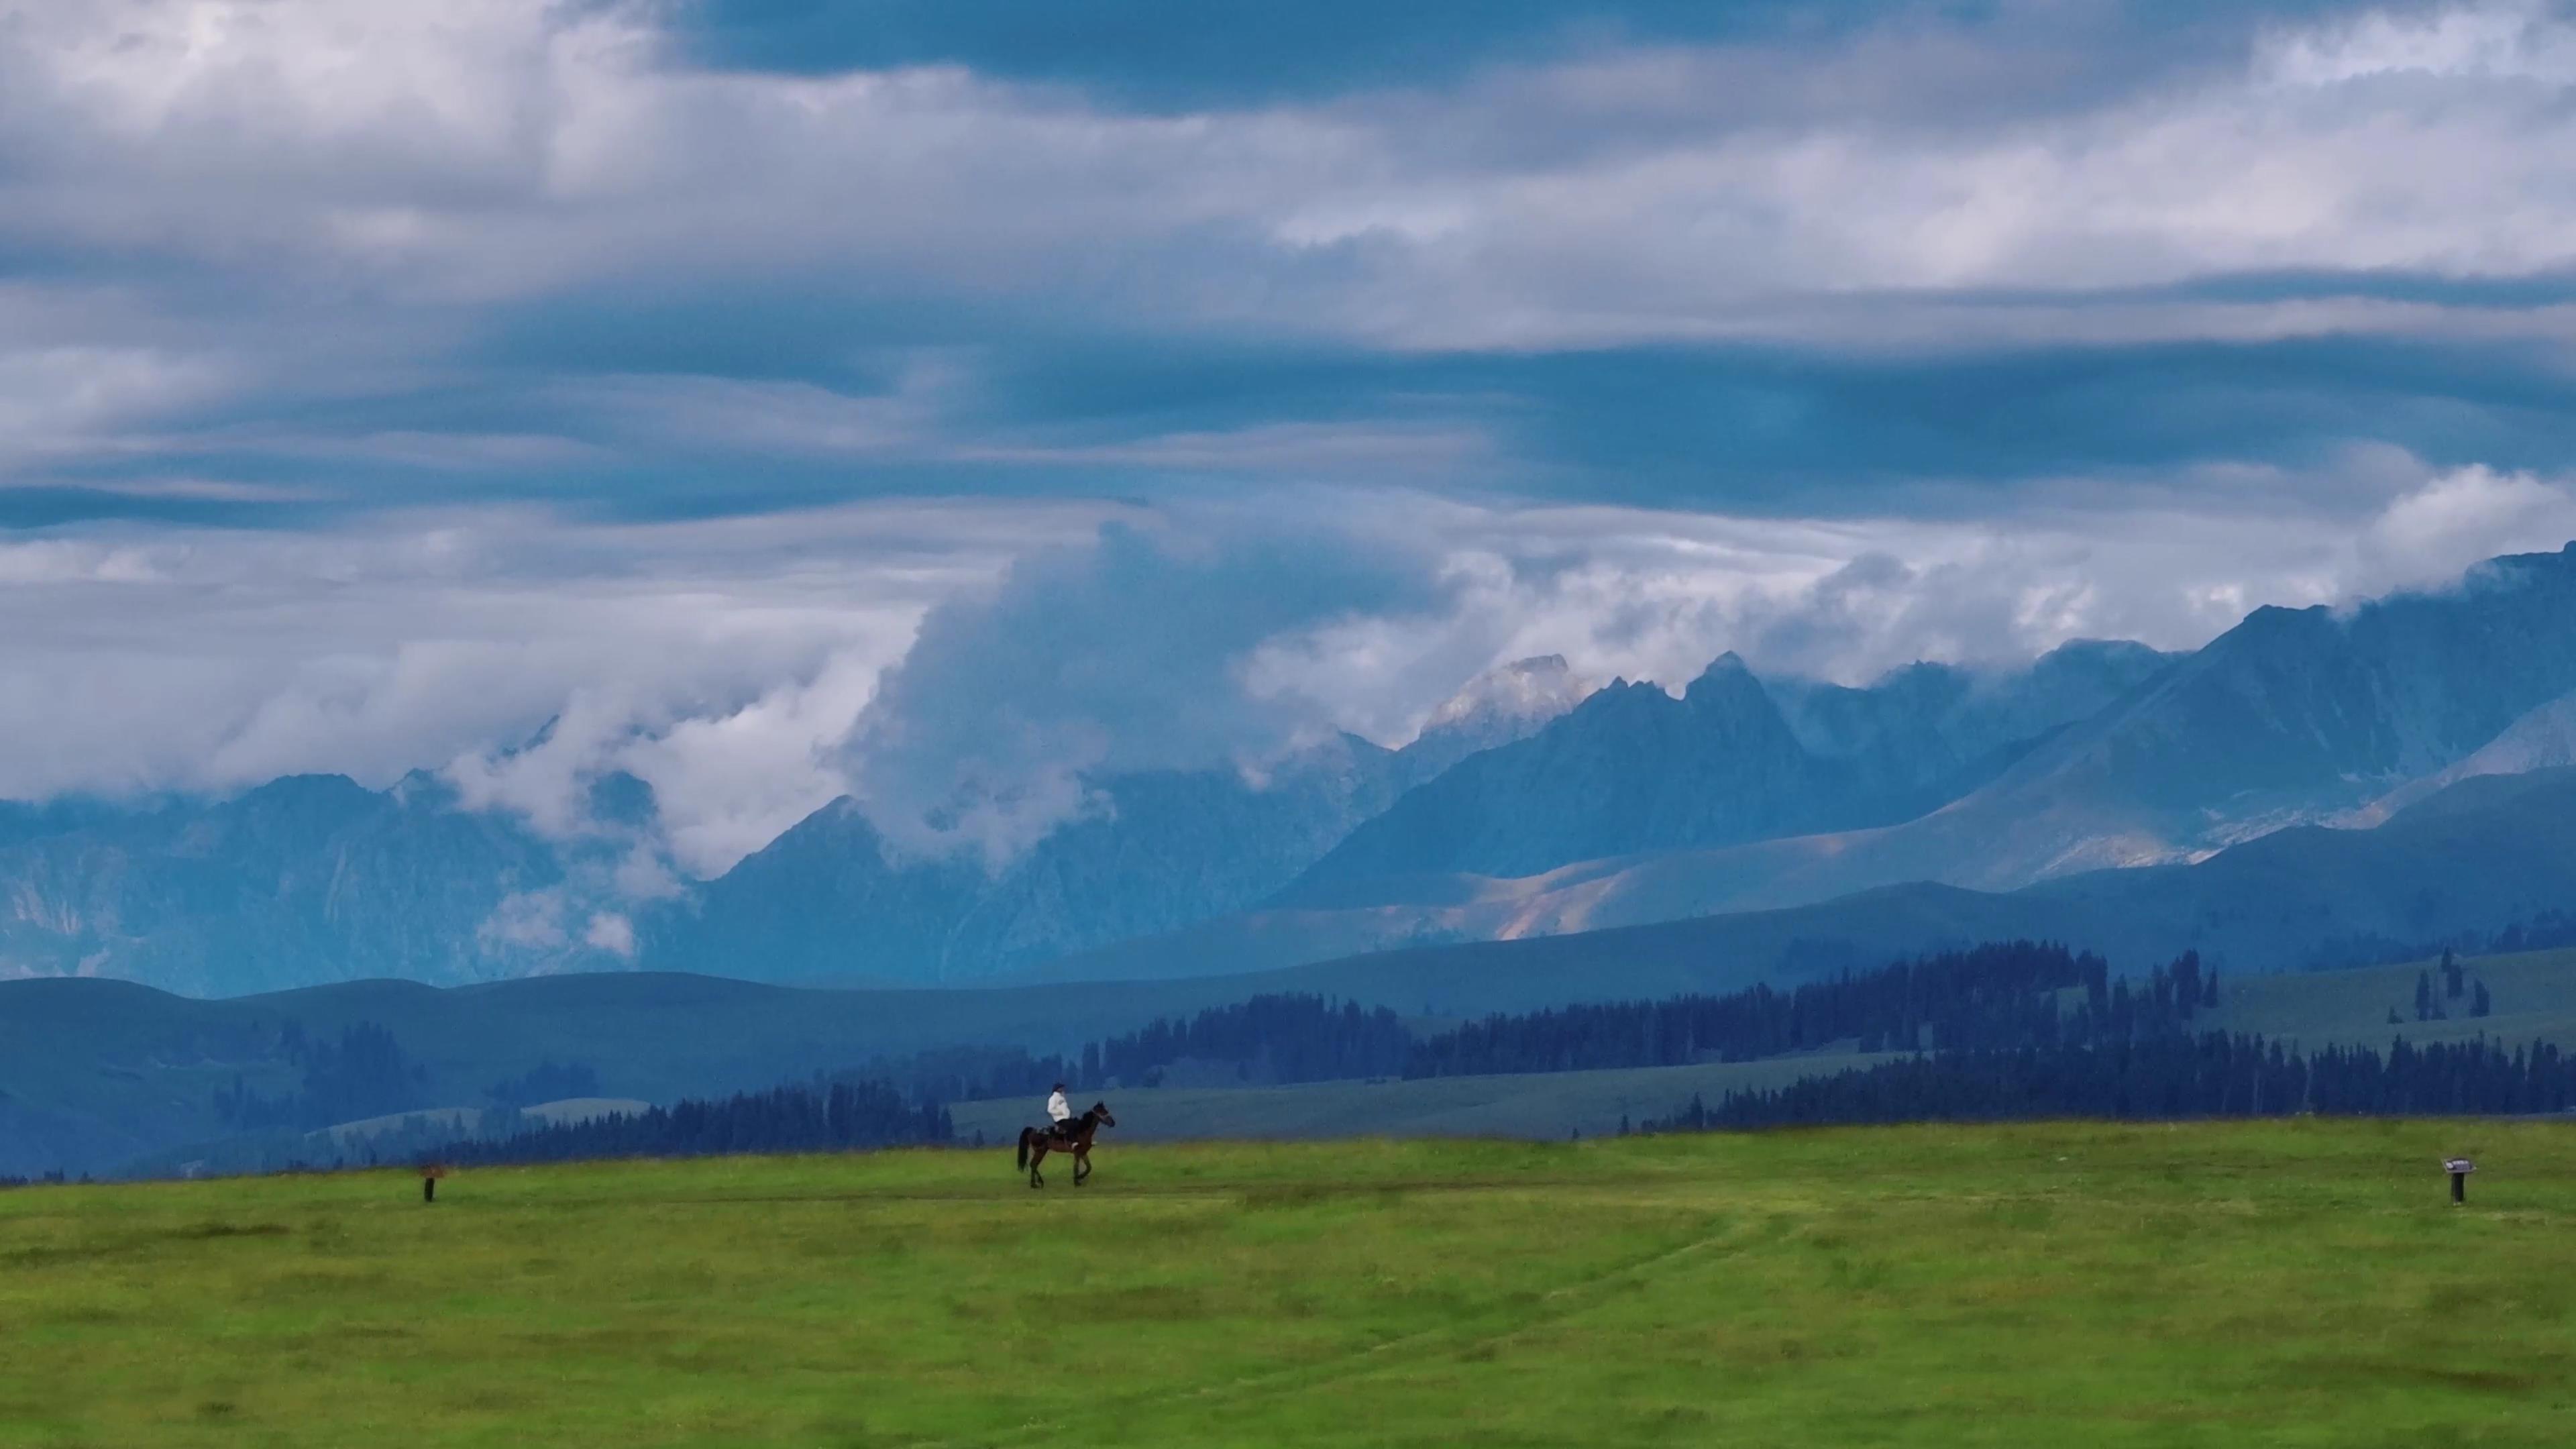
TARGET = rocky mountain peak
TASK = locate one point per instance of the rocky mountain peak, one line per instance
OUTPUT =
(1525, 691)
(1727, 682)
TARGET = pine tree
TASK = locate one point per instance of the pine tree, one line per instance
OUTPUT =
(2423, 996)
(2481, 1004)
(2452, 975)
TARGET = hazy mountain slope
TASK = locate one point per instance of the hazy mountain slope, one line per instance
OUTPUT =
(832, 898)
(1630, 769)
(2298, 711)
(304, 879)
(1161, 850)
(2293, 716)
(1633, 807)
(2543, 739)
(824, 898)
(1633, 770)
(1927, 733)
(316, 878)
(2473, 858)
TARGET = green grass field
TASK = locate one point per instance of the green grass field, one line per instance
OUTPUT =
(2279, 1283)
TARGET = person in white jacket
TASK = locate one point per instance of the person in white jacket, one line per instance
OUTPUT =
(1057, 1111)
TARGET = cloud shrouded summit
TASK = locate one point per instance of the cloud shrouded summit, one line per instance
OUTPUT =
(1111, 658)
(379, 382)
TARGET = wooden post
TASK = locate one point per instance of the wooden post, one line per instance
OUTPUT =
(428, 1189)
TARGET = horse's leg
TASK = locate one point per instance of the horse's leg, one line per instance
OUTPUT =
(1081, 1165)
(1037, 1155)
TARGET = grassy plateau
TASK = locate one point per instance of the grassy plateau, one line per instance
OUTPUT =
(2296, 1282)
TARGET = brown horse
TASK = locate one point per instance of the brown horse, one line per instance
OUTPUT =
(1073, 1136)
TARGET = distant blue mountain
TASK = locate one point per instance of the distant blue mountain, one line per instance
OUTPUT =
(1635, 771)
(832, 898)
(316, 878)
(309, 878)
(2294, 717)
(94, 1073)
(1529, 807)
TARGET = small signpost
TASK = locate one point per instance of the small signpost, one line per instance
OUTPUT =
(430, 1173)
(2459, 1168)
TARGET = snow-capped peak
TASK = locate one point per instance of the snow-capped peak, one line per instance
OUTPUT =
(1526, 692)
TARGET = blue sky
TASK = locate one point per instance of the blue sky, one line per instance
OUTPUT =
(380, 380)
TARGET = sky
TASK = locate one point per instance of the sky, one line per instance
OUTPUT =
(908, 397)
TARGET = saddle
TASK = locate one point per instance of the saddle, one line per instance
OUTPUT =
(1064, 1131)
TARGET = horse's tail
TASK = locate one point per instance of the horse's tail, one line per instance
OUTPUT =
(1025, 1134)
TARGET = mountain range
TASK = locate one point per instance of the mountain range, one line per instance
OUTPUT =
(99, 1075)
(1531, 805)
(2292, 717)
(1633, 770)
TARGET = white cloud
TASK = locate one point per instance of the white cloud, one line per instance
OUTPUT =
(731, 783)
(525, 921)
(608, 931)
(2496, 41)
(471, 153)
(258, 214)
(1115, 655)
(1656, 595)
(2430, 534)
(734, 665)
(718, 660)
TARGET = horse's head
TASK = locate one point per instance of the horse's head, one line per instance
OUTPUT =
(1100, 1110)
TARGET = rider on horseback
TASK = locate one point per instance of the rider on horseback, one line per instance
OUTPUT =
(1065, 1133)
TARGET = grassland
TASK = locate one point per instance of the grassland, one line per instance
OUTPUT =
(2277, 1283)
(1548, 1105)
(2535, 1000)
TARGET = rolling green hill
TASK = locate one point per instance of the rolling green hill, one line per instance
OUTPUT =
(2297, 1283)
(99, 1075)
(1541, 1105)
(2534, 994)
(2534, 991)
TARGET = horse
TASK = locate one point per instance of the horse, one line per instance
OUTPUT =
(1034, 1144)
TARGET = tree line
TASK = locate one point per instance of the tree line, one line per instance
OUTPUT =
(2548, 930)
(2437, 1006)
(362, 1073)
(1267, 1040)
(830, 1117)
(2005, 994)
(2014, 1028)
(2211, 1074)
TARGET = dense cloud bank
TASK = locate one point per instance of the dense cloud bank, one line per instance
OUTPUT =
(772, 405)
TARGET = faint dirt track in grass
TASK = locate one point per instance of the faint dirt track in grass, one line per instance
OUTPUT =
(2043, 1284)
